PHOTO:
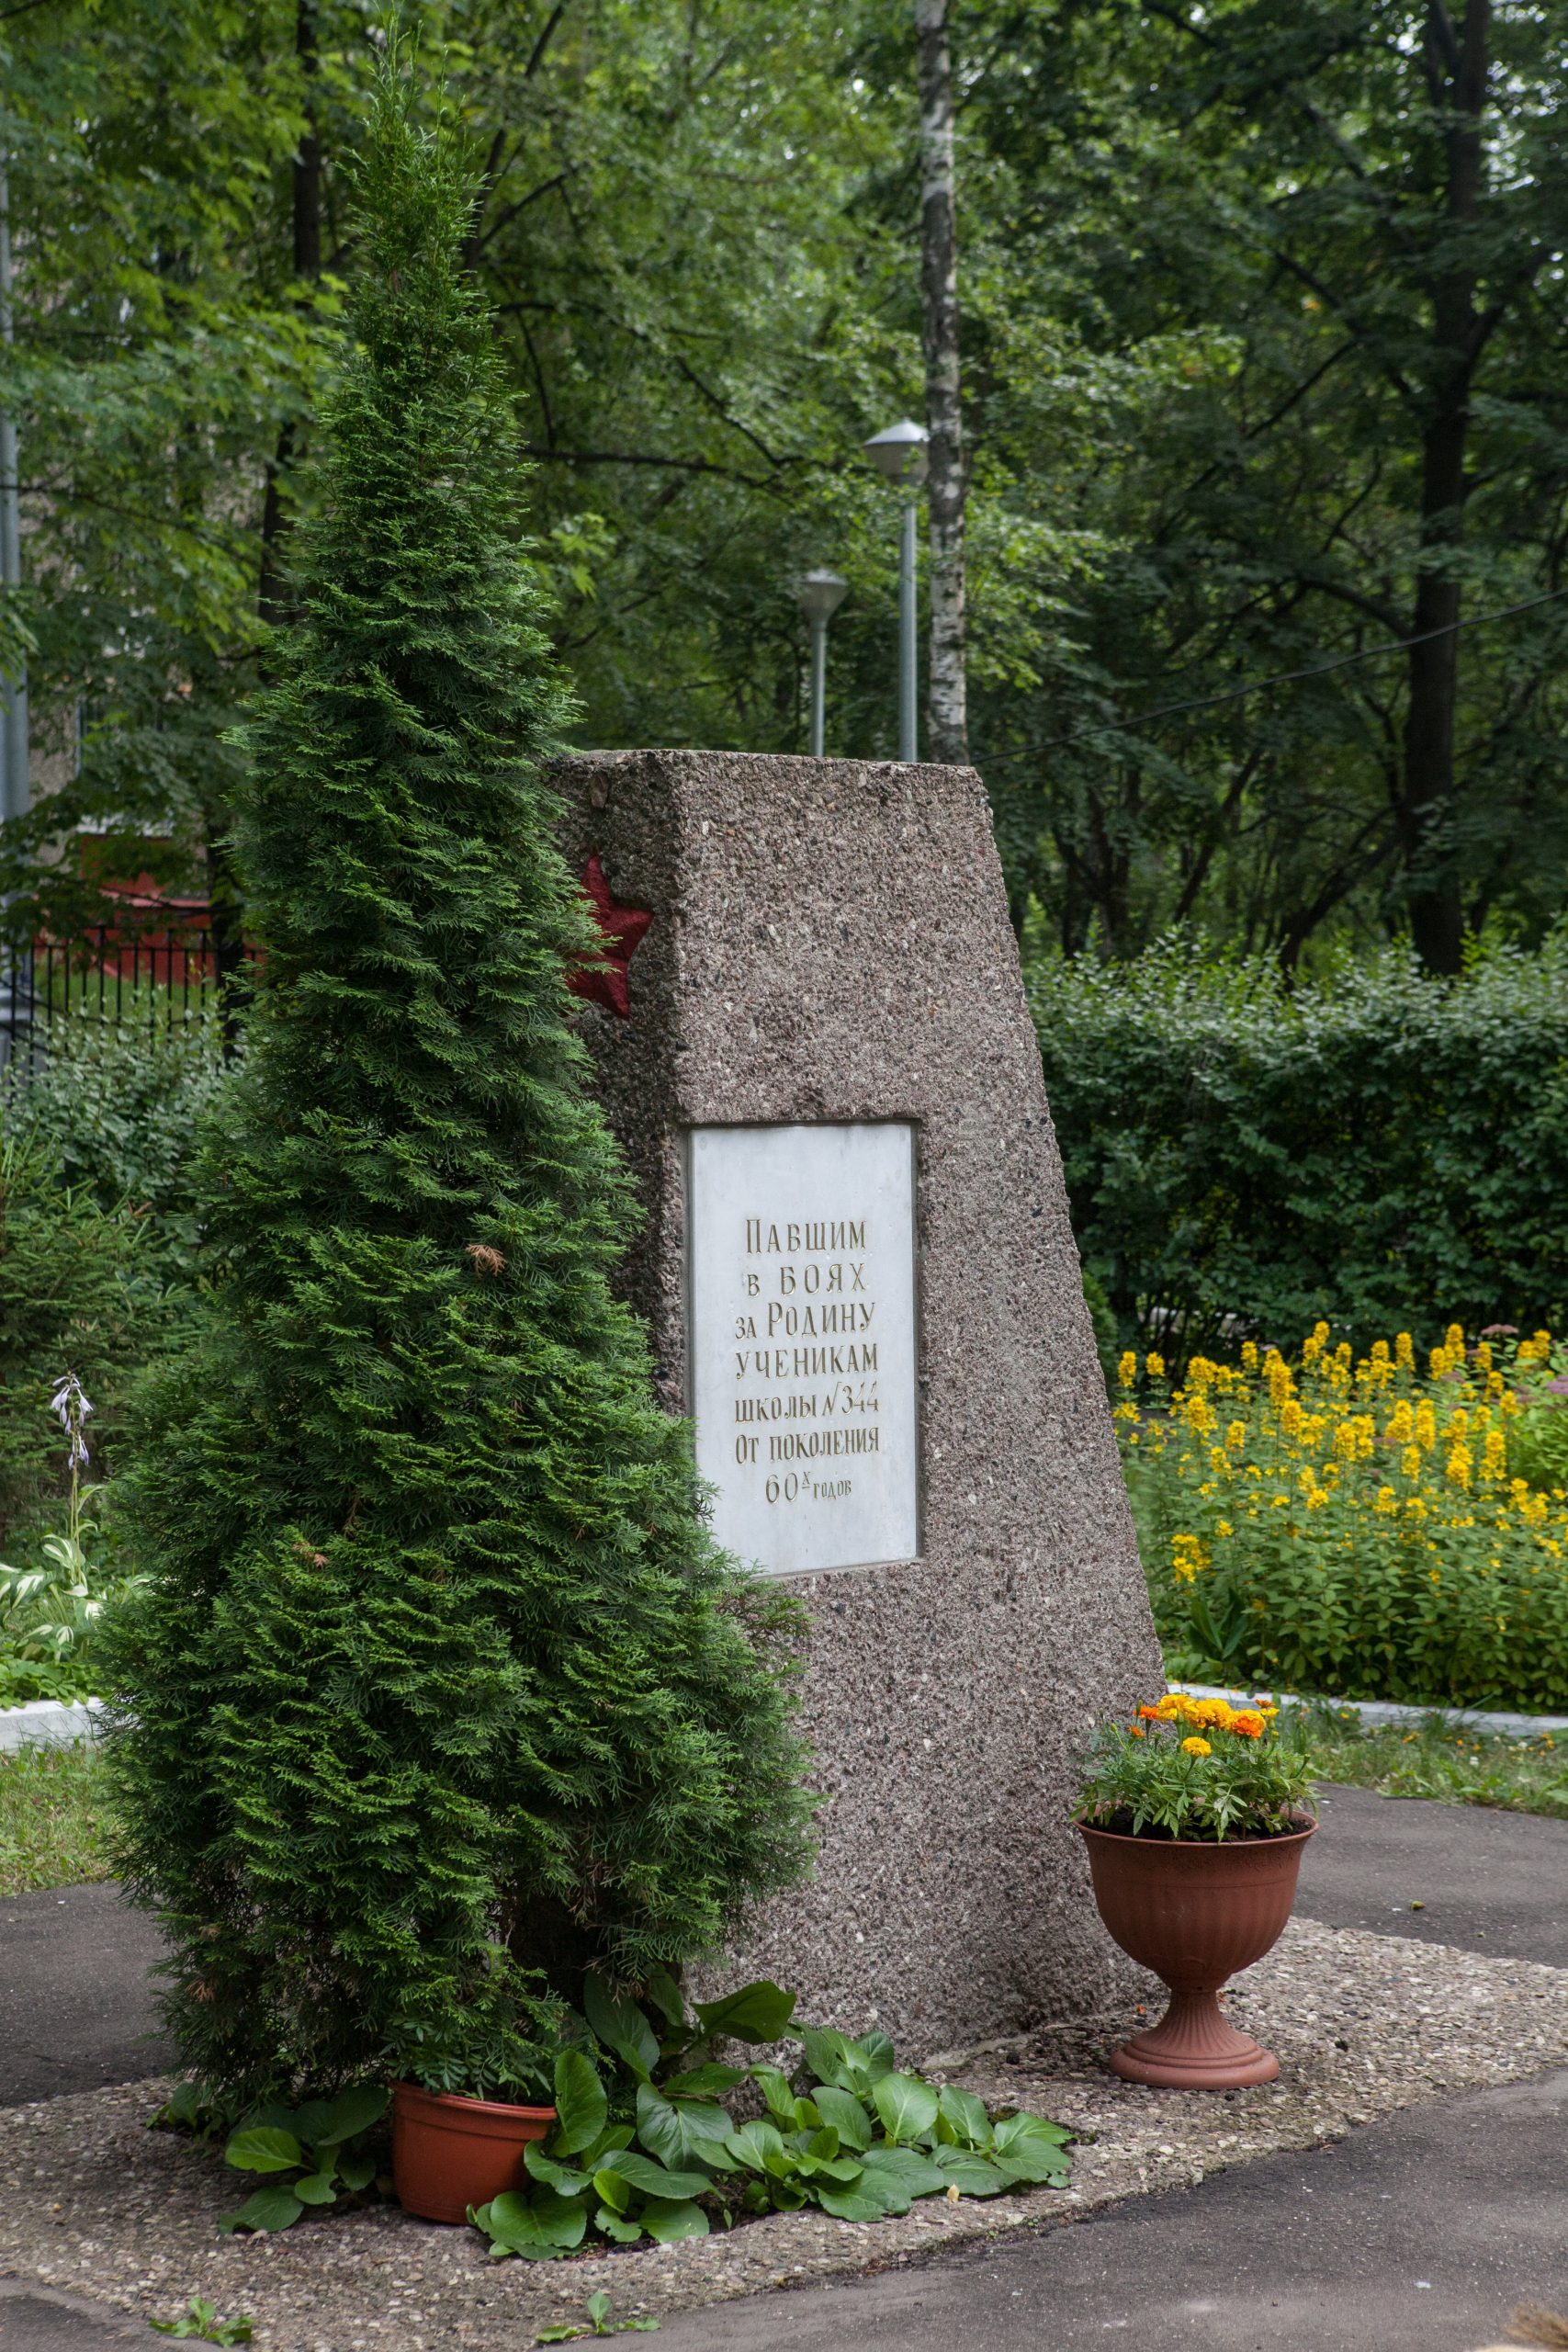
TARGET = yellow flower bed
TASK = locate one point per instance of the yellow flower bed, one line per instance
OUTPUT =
(1356, 1527)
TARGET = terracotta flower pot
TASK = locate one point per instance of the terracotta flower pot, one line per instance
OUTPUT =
(1195, 1913)
(451, 2153)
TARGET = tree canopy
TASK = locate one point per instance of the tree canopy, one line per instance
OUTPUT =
(1263, 377)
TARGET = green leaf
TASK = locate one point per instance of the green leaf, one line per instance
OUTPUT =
(828, 2054)
(973, 2174)
(563, 2178)
(580, 2104)
(613, 2192)
(908, 2106)
(1010, 2128)
(688, 2132)
(598, 2309)
(653, 2180)
(670, 2001)
(755, 2143)
(352, 2112)
(841, 2170)
(316, 2188)
(1028, 2148)
(915, 2173)
(615, 2225)
(621, 2026)
(666, 2221)
(757, 2012)
(876, 2054)
(263, 2149)
(704, 2082)
(538, 2227)
(779, 2097)
(845, 2113)
(560, 2334)
(867, 2200)
(265, 2208)
(357, 2172)
(968, 2117)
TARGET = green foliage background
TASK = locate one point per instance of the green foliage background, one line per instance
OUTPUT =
(1200, 251)
(1378, 1147)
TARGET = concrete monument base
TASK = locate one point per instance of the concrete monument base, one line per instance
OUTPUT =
(882, 1333)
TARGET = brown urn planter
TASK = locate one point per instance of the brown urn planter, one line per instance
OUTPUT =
(1195, 1913)
(450, 2153)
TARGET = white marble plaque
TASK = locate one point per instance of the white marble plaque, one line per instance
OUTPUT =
(800, 1256)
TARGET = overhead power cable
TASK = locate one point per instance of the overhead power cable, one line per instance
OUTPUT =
(1282, 678)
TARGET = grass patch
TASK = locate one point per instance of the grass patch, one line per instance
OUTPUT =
(51, 1818)
(1441, 1760)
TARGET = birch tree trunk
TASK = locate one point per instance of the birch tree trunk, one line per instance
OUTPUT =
(946, 713)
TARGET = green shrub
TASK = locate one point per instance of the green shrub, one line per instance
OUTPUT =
(444, 1691)
(1353, 1529)
(73, 1299)
(1379, 1147)
(118, 1110)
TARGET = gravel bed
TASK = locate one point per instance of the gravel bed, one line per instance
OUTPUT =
(1363, 2024)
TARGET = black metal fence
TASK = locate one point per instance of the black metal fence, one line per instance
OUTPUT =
(109, 974)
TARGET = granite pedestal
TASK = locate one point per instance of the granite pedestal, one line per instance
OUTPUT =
(830, 950)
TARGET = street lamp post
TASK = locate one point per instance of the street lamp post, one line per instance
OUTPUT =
(900, 455)
(821, 594)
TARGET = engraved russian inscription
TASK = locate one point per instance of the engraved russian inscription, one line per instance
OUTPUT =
(801, 1283)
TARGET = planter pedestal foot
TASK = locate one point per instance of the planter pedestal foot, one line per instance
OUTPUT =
(1194, 2048)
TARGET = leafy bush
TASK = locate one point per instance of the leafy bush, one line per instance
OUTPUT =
(311, 2156)
(1243, 1157)
(1197, 1769)
(72, 1299)
(850, 2134)
(119, 1112)
(1357, 1528)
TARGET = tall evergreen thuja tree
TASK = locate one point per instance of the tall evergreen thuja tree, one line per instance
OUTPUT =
(443, 1680)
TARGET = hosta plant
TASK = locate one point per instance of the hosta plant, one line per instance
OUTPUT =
(308, 2155)
(846, 2132)
(1197, 1769)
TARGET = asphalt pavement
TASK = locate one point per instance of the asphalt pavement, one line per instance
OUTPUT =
(1492, 1883)
(1418, 2234)
(76, 2005)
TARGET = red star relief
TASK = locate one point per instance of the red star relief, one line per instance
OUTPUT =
(604, 981)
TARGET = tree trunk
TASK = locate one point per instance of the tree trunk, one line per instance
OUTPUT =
(946, 716)
(1426, 813)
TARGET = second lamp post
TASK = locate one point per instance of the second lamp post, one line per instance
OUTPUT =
(900, 454)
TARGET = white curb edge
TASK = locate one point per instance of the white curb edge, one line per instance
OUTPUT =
(47, 1723)
(1382, 1711)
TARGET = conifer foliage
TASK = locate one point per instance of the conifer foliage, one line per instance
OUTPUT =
(443, 1679)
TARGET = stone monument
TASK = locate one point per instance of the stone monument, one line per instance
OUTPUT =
(811, 1037)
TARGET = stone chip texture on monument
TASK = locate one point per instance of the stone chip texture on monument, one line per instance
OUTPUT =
(829, 949)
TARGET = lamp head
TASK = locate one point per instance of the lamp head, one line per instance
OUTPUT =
(900, 452)
(821, 594)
